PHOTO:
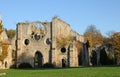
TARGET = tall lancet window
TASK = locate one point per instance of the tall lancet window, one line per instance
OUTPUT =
(0, 50)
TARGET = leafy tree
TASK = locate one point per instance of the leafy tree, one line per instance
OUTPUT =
(114, 39)
(116, 43)
(93, 36)
(110, 33)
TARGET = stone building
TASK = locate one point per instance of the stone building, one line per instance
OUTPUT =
(38, 43)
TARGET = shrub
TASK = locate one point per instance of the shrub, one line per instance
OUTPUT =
(48, 65)
(24, 66)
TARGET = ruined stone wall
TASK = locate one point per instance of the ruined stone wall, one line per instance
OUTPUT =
(46, 43)
(4, 36)
(77, 36)
(61, 28)
(26, 53)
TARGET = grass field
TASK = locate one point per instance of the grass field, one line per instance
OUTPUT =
(66, 72)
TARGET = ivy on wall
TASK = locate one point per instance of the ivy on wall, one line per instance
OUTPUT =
(4, 46)
(1, 26)
(62, 41)
(4, 51)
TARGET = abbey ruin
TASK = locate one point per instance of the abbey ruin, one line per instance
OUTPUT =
(38, 43)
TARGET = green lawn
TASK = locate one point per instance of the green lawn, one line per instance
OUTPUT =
(66, 72)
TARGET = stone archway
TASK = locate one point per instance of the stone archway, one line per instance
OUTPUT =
(80, 58)
(38, 60)
(6, 64)
(63, 62)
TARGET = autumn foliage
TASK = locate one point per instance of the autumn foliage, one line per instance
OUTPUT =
(1, 26)
(93, 36)
(62, 41)
(4, 51)
(114, 39)
(3, 45)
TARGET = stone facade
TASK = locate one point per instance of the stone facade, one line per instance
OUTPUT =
(37, 44)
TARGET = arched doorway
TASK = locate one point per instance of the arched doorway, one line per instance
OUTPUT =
(80, 58)
(63, 62)
(93, 58)
(5, 64)
(38, 59)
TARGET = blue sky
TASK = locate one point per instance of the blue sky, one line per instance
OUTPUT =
(105, 14)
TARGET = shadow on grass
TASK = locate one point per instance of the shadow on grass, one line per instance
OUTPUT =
(107, 66)
(67, 67)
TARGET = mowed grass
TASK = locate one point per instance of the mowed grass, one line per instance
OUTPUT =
(66, 72)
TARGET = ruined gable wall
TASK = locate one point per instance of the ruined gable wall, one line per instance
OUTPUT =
(60, 27)
(3, 36)
(26, 53)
